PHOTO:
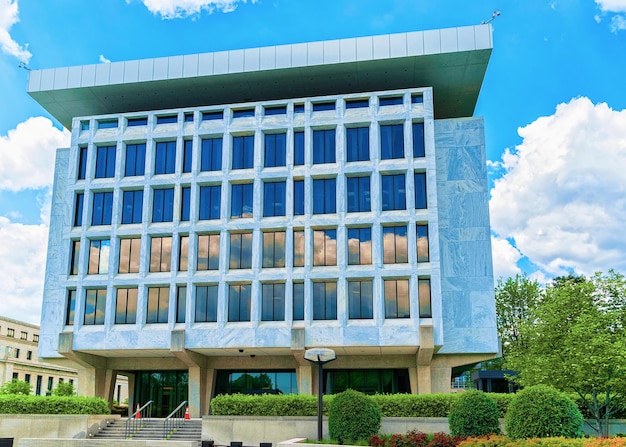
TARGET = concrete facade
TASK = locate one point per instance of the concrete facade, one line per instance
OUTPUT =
(449, 318)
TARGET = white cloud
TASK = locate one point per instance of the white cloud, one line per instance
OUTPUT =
(8, 18)
(27, 154)
(612, 5)
(618, 23)
(176, 9)
(22, 266)
(104, 60)
(562, 198)
(505, 258)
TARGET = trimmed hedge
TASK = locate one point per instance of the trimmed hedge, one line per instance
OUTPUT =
(20, 404)
(503, 441)
(474, 414)
(353, 416)
(391, 405)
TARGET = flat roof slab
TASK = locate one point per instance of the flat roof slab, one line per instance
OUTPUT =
(452, 61)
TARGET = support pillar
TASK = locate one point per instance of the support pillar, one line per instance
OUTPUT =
(197, 391)
(424, 360)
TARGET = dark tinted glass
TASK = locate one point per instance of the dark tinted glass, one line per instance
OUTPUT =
(358, 144)
(418, 140)
(211, 155)
(420, 190)
(298, 148)
(391, 141)
(187, 156)
(209, 202)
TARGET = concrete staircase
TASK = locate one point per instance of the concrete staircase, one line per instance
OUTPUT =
(152, 429)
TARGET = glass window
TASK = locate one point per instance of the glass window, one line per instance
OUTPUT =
(420, 190)
(359, 246)
(158, 304)
(130, 250)
(135, 122)
(298, 108)
(391, 101)
(357, 103)
(181, 301)
(102, 208)
(358, 143)
(185, 203)
(322, 106)
(417, 98)
(243, 152)
(395, 245)
(169, 119)
(165, 157)
(298, 148)
(105, 162)
(126, 306)
(274, 199)
(107, 124)
(424, 298)
(422, 243)
(133, 206)
(324, 196)
(360, 299)
(240, 250)
(298, 301)
(160, 254)
(298, 197)
(418, 140)
(84, 125)
(325, 300)
(324, 247)
(275, 149)
(239, 302)
(23, 335)
(298, 248)
(397, 298)
(10, 332)
(208, 252)
(212, 116)
(210, 202)
(274, 249)
(206, 304)
(391, 141)
(70, 307)
(358, 194)
(241, 200)
(393, 192)
(163, 205)
(78, 209)
(276, 110)
(187, 154)
(135, 160)
(99, 256)
(243, 113)
(324, 146)
(82, 163)
(95, 305)
(36, 338)
(211, 155)
(183, 253)
(74, 257)
(273, 302)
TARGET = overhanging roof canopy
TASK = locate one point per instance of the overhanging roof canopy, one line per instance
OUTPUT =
(452, 61)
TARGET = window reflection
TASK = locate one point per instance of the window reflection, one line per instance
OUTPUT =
(95, 305)
(359, 246)
(397, 298)
(126, 306)
(99, 256)
(130, 250)
(274, 249)
(358, 194)
(298, 248)
(422, 243)
(183, 255)
(208, 252)
(393, 192)
(275, 150)
(358, 144)
(181, 304)
(206, 303)
(325, 300)
(273, 302)
(424, 298)
(324, 146)
(324, 196)
(160, 254)
(325, 247)
(211, 155)
(360, 299)
(274, 199)
(239, 302)
(391, 141)
(298, 301)
(241, 200)
(158, 304)
(420, 190)
(240, 250)
(395, 245)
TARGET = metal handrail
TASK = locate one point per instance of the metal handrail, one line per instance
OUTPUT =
(135, 421)
(175, 419)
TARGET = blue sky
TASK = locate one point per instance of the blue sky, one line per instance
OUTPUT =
(553, 99)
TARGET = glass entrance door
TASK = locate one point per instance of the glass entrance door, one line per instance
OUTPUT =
(167, 389)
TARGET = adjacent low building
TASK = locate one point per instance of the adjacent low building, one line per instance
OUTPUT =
(218, 214)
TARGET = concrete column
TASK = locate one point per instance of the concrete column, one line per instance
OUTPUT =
(197, 391)
(209, 390)
(104, 383)
(86, 382)
(306, 383)
(441, 377)
(424, 379)
(131, 393)
(413, 380)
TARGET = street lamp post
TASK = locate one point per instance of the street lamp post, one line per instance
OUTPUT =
(320, 356)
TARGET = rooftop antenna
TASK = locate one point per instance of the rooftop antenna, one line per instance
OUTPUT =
(24, 66)
(495, 14)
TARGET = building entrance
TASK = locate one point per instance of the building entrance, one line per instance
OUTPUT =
(167, 389)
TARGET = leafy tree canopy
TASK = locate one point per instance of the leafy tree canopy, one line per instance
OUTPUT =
(16, 386)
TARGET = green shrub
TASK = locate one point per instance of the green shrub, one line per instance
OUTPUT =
(16, 386)
(353, 416)
(64, 389)
(474, 414)
(19, 404)
(412, 405)
(267, 405)
(541, 411)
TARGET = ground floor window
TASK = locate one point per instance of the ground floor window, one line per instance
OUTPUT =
(167, 389)
(256, 382)
(368, 381)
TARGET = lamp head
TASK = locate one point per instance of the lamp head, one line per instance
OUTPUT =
(319, 355)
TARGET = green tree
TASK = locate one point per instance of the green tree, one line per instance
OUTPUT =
(575, 341)
(16, 386)
(516, 299)
(64, 389)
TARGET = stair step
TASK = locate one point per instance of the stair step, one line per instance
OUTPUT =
(190, 430)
